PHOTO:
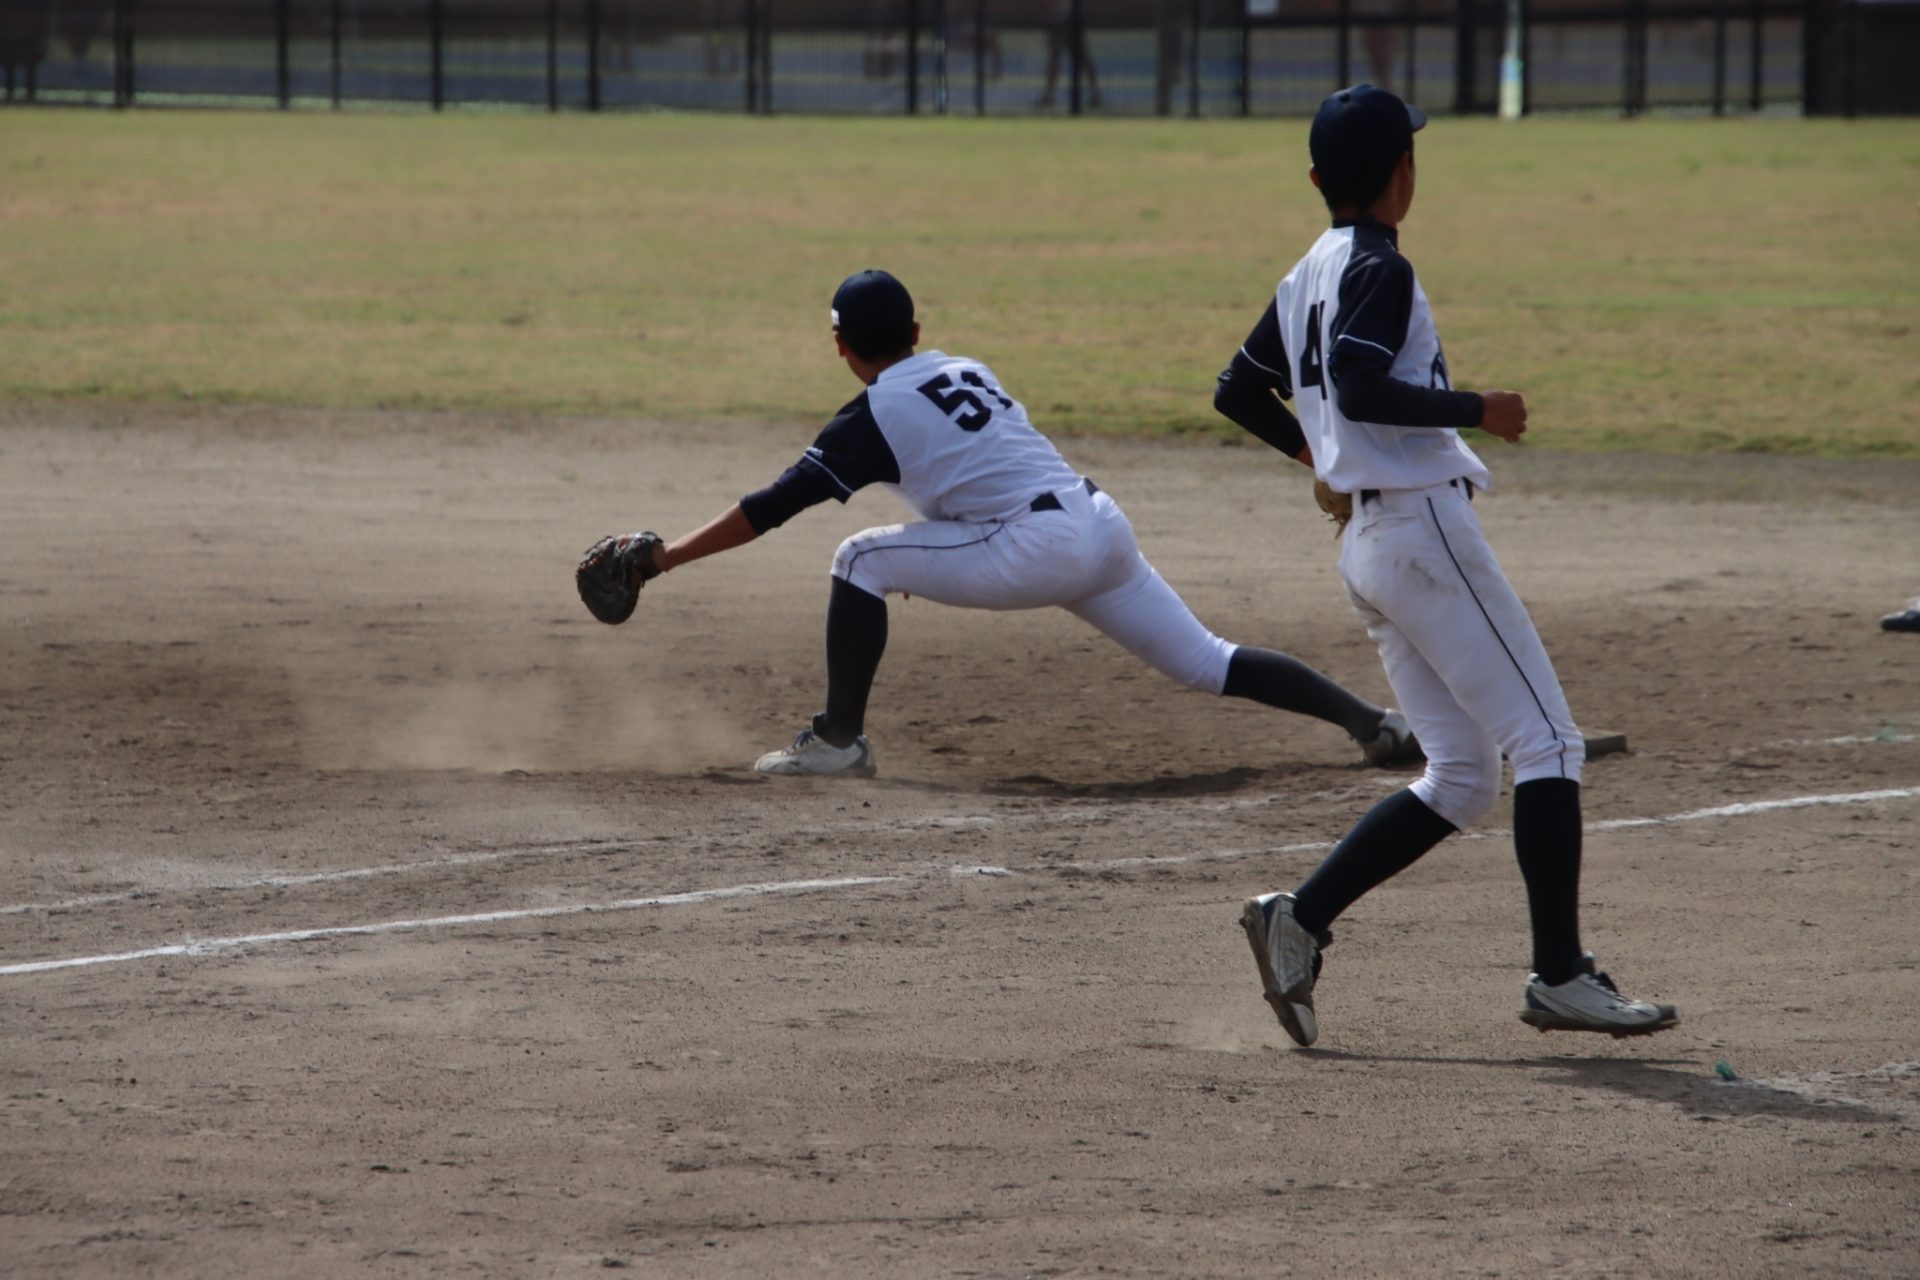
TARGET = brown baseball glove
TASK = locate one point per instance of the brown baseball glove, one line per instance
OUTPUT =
(613, 571)
(1338, 506)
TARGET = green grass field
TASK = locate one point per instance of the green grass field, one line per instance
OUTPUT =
(1687, 285)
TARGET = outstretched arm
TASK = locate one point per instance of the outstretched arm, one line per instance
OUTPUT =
(849, 454)
(611, 574)
(724, 532)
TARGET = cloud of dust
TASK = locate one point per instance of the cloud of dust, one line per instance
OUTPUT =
(598, 714)
(1214, 1035)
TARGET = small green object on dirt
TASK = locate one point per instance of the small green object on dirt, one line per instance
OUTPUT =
(1724, 1070)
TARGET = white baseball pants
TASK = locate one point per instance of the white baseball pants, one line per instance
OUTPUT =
(1081, 557)
(1462, 656)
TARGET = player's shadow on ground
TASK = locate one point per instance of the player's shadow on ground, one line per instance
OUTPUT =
(1216, 782)
(1689, 1087)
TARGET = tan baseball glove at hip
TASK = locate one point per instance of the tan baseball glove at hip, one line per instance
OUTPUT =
(1338, 506)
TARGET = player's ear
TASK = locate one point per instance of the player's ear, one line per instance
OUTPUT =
(840, 345)
(916, 335)
(1314, 173)
(1403, 174)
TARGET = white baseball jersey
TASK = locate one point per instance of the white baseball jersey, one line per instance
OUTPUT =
(960, 447)
(1354, 301)
(1005, 522)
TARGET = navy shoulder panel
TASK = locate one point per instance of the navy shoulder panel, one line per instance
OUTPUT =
(851, 452)
(1376, 302)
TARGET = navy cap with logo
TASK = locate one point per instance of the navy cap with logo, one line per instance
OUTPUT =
(1358, 135)
(874, 313)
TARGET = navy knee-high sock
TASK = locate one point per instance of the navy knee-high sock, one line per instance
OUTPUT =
(1280, 680)
(856, 637)
(1390, 838)
(1546, 839)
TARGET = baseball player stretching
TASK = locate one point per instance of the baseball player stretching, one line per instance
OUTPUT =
(1004, 523)
(1350, 339)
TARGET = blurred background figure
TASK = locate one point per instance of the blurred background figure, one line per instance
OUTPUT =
(970, 39)
(885, 44)
(25, 28)
(1061, 38)
(77, 22)
(1380, 38)
(720, 37)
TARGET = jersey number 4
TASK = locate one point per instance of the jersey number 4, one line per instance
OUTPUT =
(952, 400)
(1312, 374)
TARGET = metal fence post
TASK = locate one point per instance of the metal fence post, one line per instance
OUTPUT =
(123, 78)
(752, 17)
(1466, 40)
(1343, 59)
(333, 51)
(980, 57)
(1809, 42)
(593, 55)
(942, 53)
(766, 60)
(1193, 59)
(553, 55)
(913, 57)
(1633, 94)
(1413, 51)
(282, 73)
(1851, 105)
(1526, 57)
(1244, 89)
(1076, 41)
(436, 40)
(1719, 57)
(1826, 38)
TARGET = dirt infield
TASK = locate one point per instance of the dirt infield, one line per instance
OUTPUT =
(367, 909)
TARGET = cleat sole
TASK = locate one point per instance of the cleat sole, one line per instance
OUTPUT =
(1542, 1020)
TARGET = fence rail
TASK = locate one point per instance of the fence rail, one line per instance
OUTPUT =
(973, 57)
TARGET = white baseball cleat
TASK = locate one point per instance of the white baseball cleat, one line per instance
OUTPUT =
(1393, 744)
(813, 755)
(1289, 960)
(1590, 1002)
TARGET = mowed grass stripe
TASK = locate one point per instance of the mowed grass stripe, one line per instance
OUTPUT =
(1688, 285)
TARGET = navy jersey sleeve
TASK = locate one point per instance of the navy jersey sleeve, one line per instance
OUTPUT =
(1251, 387)
(1370, 327)
(849, 454)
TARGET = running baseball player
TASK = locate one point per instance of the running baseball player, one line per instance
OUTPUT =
(1350, 339)
(1004, 523)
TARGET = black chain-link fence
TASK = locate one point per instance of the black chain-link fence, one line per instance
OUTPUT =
(968, 57)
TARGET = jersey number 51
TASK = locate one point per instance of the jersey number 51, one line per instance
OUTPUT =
(952, 400)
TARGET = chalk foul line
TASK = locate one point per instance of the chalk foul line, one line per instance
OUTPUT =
(470, 859)
(208, 946)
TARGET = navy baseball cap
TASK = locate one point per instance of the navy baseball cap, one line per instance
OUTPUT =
(874, 313)
(1358, 135)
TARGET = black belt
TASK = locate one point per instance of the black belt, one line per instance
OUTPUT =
(1373, 495)
(1051, 502)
